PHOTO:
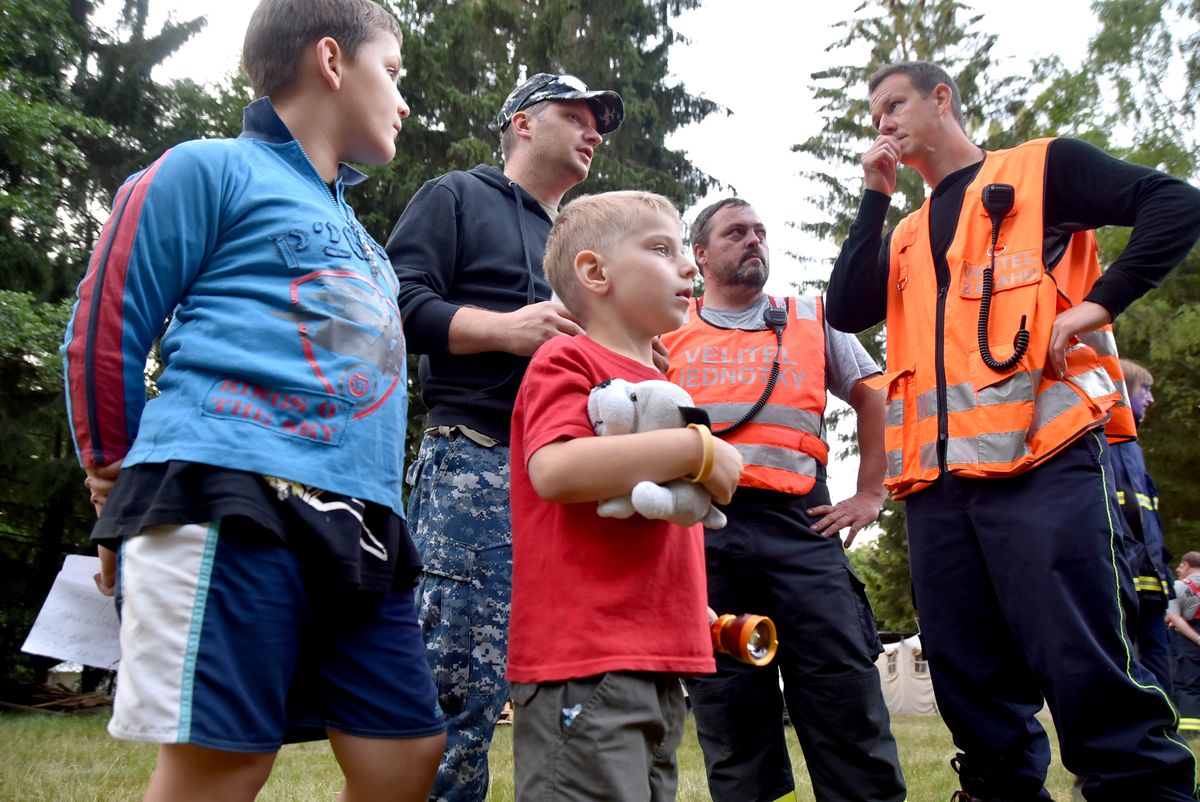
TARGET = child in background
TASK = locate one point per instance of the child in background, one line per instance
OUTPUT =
(606, 614)
(265, 574)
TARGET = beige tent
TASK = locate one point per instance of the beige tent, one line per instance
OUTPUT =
(904, 675)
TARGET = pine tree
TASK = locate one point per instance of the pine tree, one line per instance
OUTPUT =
(462, 60)
(1145, 63)
(78, 113)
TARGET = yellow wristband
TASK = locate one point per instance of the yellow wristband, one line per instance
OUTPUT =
(706, 462)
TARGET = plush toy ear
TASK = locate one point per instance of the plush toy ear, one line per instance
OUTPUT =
(695, 415)
(610, 407)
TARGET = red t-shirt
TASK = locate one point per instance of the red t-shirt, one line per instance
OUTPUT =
(592, 594)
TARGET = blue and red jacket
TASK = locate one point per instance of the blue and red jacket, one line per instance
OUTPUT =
(285, 353)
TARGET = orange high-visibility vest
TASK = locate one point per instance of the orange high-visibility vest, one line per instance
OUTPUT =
(726, 371)
(992, 424)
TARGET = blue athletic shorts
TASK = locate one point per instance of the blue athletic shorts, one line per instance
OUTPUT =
(229, 642)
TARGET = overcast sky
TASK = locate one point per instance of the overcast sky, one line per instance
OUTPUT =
(753, 57)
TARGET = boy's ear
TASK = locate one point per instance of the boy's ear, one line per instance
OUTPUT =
(590, 273)
(329, 62)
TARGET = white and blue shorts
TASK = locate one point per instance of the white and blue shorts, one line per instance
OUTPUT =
(229, 641)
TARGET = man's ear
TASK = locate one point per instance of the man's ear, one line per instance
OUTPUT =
(590, 273)
(700, 257)
(943, 97)
(522, 124)
(329, 57)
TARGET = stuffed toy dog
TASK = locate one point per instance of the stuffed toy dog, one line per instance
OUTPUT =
(621, 407)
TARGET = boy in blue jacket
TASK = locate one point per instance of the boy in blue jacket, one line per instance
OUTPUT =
(259, 555)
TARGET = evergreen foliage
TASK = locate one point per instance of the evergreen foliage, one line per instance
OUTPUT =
(462, 59)
(80, 111)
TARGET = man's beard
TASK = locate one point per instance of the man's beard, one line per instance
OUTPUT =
(749, 273)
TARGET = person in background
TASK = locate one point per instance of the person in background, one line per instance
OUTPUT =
(1137, 496)
(1183, 611)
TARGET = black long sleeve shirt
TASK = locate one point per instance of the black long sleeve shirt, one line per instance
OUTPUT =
(1085, 188)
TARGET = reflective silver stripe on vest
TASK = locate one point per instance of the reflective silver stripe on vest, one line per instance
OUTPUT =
(1100, 341)
(962, 397)
(927, 404)
(1019, 387)
(806, 307)
(1001, 447)
(1123, 389)
(895, 462)
(1095, 383)
(929, 456)
(993, 447)
(774, 414)
(781, 459)
(895, 413)
(1052, 402)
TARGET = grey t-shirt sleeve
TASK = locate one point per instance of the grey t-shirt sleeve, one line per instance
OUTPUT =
(1189, 603)
(846, 362)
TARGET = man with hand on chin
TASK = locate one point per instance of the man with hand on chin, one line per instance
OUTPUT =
(1002, 377)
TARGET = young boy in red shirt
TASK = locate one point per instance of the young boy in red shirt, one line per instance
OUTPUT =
(606, 614)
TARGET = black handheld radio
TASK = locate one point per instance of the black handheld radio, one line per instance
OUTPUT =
(998, 199)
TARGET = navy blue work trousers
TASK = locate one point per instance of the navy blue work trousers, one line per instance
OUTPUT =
(1151, 638)
(1023, 594)
(768, 561)
(1186, 665)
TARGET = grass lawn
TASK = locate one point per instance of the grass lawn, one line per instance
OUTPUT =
(72, 759)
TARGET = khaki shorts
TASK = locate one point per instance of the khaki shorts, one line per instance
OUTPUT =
(610, 737)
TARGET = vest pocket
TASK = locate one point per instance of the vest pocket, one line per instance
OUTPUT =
(1002, 410)
(899, 439)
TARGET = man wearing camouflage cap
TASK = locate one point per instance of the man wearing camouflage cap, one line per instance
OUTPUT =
(468, 253)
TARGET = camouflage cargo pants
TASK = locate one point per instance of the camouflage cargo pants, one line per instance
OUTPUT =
(458, 513)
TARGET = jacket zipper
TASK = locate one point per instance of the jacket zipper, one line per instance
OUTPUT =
(940, 360)
(363, 240)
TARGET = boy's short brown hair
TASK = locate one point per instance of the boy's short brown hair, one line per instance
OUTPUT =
(1136, 376)
(593, 223)
(280, 30)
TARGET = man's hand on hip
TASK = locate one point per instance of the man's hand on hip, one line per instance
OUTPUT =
(1085, 317)
(860, 510)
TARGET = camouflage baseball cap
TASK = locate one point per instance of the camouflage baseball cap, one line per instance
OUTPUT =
(606, 104)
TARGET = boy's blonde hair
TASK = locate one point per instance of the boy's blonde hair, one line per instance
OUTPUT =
(1136, 376)
(281, 30)
(594, 223)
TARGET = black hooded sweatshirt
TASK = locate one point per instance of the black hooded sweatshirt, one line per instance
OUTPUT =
(476, 239)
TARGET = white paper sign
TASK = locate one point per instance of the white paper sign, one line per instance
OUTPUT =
(77, 622)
